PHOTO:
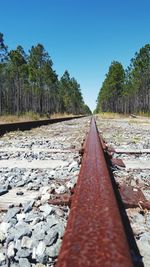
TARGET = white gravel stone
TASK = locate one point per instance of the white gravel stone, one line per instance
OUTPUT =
(40, 249)
(10, 250)
(53, 251)
(2, 257)
(26, 242)
(23, 262)
(43, 190)
(45, 197)
(2, 236)
(20, 216)
(4, 227)
(60, 190)
(47, 209)
(52, 173)
(34, 253)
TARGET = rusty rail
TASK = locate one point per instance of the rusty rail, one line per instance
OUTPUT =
(27, 125)
(95, 234)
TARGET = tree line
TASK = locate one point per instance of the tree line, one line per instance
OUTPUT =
(29, 83)
(127, 91)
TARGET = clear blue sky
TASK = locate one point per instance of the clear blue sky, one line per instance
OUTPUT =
(82, 36)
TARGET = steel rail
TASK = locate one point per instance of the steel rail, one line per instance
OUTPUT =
(27, 125)
(94, 235)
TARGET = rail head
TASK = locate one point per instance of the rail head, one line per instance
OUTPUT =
(94, 234)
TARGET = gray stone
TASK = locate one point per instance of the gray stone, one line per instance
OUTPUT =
(24, 262)
(3, 191)
(148, 220)
(13, 222)
(51, 237)
(34, 253)
(53, 250)
(52, 173)
(23, 253)
(45, 197)
(70, 185)
(11, 213)
(36, 220)
(21, 229)
(37, 227)
(18, 244)
(47, 209)
(26, 242)
(37, 236)
(145, 238)
(144, 247)
(52, 220)
(4, 227)
(10, 250)
(59, 228)
(139, 218)
(59, 212)
(20, 184)
(2, 258)
(14, 265)
(28, 206)
(40, 249)
(40, 265)
(2, 236)
(31, 216)
(73, 166)
(20, 216)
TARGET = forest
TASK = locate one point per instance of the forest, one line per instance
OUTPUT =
(28, 83)
(127, 90)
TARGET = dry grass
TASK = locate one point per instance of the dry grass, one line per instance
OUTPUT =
(31, 117)
(14, 118)
(61, 115)
(111, 115)
(143, 120)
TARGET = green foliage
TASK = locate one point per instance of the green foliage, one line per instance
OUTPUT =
(127, 91)
(70, 95)
(112, 88)
(87, 110)
(3, 49)
(28, 83)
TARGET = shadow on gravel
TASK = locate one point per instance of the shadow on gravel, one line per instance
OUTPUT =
(135, 253)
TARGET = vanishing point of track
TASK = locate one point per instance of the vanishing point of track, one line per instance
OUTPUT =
(96, 232)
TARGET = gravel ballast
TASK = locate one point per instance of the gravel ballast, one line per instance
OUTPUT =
(36, 166)
(132, 135)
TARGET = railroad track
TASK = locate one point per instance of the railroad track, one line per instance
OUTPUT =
(98, 231)
(27, 125)
(37, 166)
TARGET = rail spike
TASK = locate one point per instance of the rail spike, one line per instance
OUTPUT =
(95, 234)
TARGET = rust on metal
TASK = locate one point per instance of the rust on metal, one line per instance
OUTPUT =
(133, 197)
(104, 145)
(117, 162)
(95, 234)
(62, 200)
(111, 149)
